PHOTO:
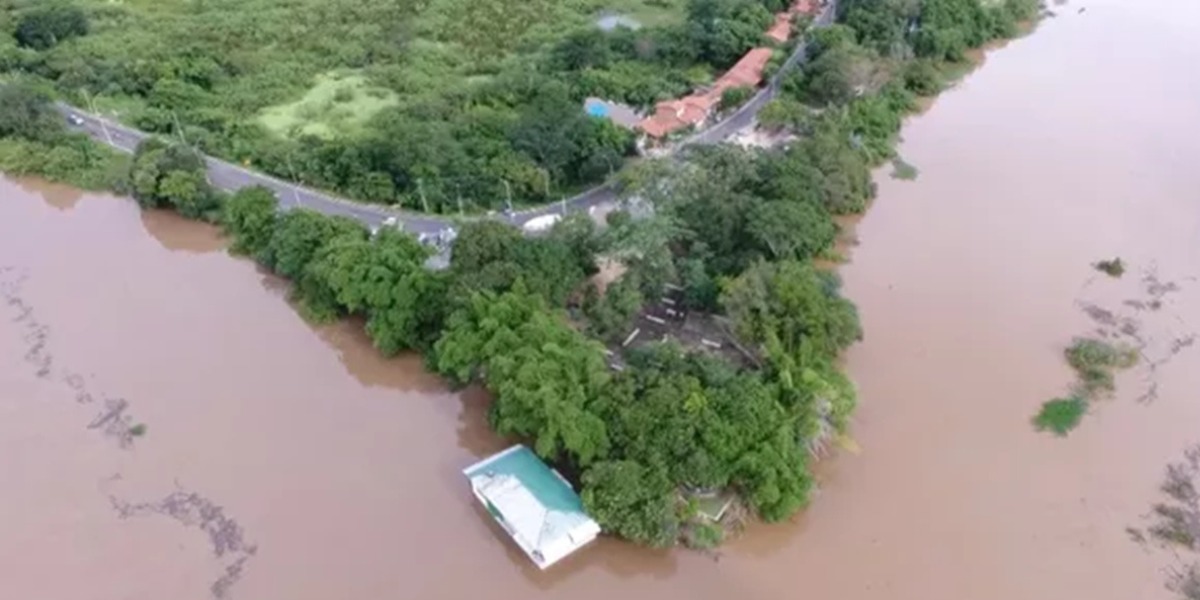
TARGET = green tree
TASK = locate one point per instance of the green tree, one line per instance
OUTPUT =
(249, 217)
(493, 256)
(299, 234)
(836, 76)
(172, 176)
(785, 113)
(774, 476)
(27, 113)
(609, 315)
(922, 78)
(383, 278)
(796, 230)
(49, 23)
(189, 193)
(544, 374)
(631, 500)
(736, 96)
(794, 304)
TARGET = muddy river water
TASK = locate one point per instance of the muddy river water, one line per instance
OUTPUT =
(283, 462)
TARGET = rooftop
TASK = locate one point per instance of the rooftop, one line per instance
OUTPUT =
(533, 503)
(674, 115)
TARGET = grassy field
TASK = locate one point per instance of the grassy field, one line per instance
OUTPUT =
(336, 104)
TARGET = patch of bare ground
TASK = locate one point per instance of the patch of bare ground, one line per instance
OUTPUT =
(668, 320)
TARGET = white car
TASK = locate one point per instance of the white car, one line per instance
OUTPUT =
(75, 120)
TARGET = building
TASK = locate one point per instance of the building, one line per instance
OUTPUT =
(671, 116)
(692, 111)
(781, 29)
(533, 503)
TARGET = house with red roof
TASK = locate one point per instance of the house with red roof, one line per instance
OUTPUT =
(671, 116)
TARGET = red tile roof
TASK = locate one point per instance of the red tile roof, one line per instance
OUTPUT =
(747, 71)
(781, 29)
(673, 115)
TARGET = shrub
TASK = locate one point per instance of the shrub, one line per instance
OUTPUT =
(1112, 268)
(1060, 415)
(1096, 360)
(735, 97)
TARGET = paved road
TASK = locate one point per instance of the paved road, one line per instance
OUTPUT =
(231, 177)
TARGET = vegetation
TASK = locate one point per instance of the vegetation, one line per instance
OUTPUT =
(1095, 363)
(1112, 268)
(1175, 523)
(47, 24)
(424, 104)
(735, 97)
(34, 141)
(1061, 415)
(903, 170)
(173, 176)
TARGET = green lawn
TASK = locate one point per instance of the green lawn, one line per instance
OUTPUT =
(337, 104)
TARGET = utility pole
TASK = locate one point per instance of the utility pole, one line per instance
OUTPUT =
(508, 195)
(92, 107)
(295, 189)
(458, 189)
(421, 191)
(179, 128)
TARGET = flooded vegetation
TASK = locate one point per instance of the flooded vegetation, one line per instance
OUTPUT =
(1174, 524)
(286, 461)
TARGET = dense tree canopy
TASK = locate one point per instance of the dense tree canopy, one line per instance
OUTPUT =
(299, 235)
(489, 255)
(544, 375)
(249, 216)
(173, 175)
(46, 24)
(633, 501)
(34, 141)
(27, 113)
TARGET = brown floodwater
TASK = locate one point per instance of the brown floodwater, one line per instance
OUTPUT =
(286, 462)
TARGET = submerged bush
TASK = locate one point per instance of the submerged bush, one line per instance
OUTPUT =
(1112, 268)
(1061, 415)
(1095, 361)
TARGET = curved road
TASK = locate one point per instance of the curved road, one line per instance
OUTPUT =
(230, 177)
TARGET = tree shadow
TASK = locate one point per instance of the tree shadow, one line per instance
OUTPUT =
(57, 196)
(405, 372)
(178, 234)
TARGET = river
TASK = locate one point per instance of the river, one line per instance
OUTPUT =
(286, 462)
